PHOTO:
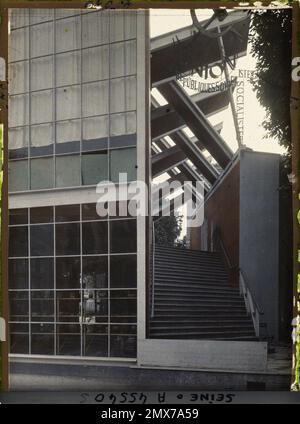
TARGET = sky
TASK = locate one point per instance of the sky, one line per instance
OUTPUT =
(166, 20)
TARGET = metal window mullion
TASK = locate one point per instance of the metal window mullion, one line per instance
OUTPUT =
(109, 178)
(82, 329)
(29, 281)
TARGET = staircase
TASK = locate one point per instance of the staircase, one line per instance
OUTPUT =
(193, 299)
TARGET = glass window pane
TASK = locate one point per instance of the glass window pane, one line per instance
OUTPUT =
(42, 138)
(122, 25)
(19, 44)
(42, 273)
(19, 18)
(42, 339)
(68, 273)
(123, 161)
(95, 29)
(68, 305)
(41, 215)
(94, 272)
(68, 340)
(94, 167)
(89, 212)
(123, 59)
(18, 241)
(123, 306)
(41, 39)
(18, 274)
(95, 64)
(18, 77)
(18, 175)
(95, 98)
(18, 110)
(19, 305)
(67, 213)
(67, 239)
(95, 306)
(68, 102)
(68, 134)
(42, 306)
(41, 107)
(41, 73)
(18, 140)
(95, 133)
(123, 271)
(123, 236)
(41, 173)
(41, 240)
(123, 123)
(94, 237)
(19, 338)
(122, 346)
(40, 15)
(122, 94)
(95, 340)
(68, 68)
(67, 33)
(18, 216)
(67, 171)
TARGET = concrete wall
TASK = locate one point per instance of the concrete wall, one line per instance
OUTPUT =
(259, 230)
(204, 354)
(221, 209)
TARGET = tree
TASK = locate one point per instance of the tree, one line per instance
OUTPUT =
(168, 229)
(270, 36)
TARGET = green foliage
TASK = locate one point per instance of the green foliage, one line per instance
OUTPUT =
(270, 36)
(167, 230)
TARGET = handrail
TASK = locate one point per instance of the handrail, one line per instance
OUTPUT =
(250, 301)
(153, 269)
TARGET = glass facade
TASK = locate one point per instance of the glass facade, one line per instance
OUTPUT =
(72, 123)
(72, 282)
(72, 105)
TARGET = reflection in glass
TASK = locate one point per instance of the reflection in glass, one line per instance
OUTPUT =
(68, 273)
(68, 306)
(18, 273)
(94, 237)
(66, 213)
(68, 339)
(41, 173)
(41, 240)
(18, 216)
(41, 273)
(94, 272)
(41, 215)
(123, 271)
(95, 340)
(18, 175)
(123, 236)
(19, 338)
(19, 305)
(42, 306)
(18, 241)
(94, 167)
(67, 239)
(42, 339)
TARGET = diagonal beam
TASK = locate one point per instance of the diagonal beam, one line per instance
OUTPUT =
(193, 152)
(194, 50)
(197, 122)
(165, 120)
(166, 160)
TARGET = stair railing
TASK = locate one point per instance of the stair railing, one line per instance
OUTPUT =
(153, 270)
(251, 304)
